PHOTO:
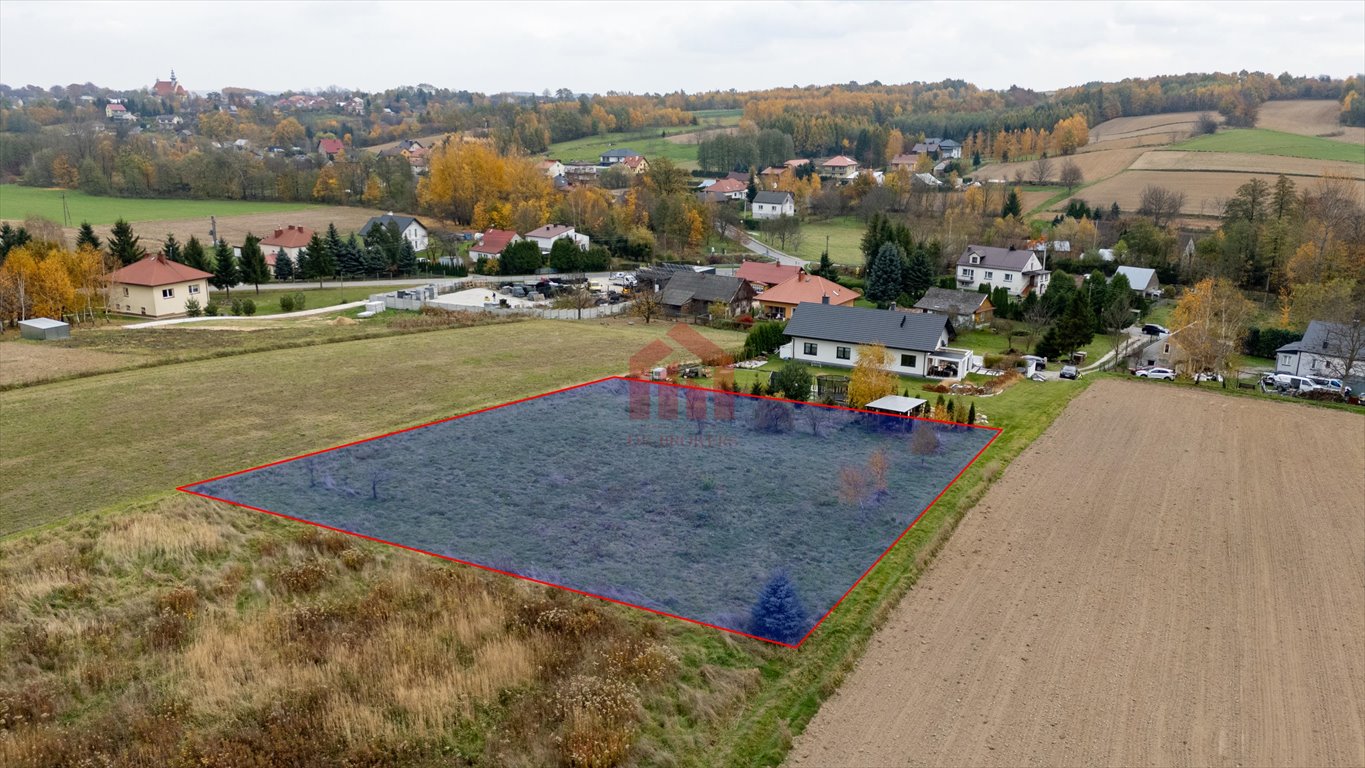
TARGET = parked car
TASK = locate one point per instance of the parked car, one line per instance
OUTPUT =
(1156, 373)
(1208, 376)
(1069, 372)
(1290, 384)
(1332, 385)
(1039, 363)
(1152, 329)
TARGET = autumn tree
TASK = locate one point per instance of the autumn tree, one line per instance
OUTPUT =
(1160, 204)
(1041, 169)
(1211, 320)
(646, 306)
(288, 133)
(1071, 175)
(123, 244)
(462, 174)
(871, 378)
(923, 440)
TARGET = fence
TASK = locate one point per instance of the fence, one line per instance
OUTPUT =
(413, 299)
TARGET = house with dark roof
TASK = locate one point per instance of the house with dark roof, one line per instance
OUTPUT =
(1018, 271)
(916, 344)
(157, 287)
(690, 294)
(412, 230)
(1325, 350)
(964, 309)
(614, 156)
(766, 274)
(772, 205)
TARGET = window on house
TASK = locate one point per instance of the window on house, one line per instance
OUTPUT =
(843, 353)
(975, 259)
(1009, 278)
(810, 348)
(125, 291)
(969, 273)
(194, 289)
(907, 361)
(990, 275)
(167, 293)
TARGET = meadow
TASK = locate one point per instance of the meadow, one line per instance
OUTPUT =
(18, 202)
(1262, 141)
(844, 233)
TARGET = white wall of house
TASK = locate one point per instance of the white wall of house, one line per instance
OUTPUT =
(829, 353)
(971, 277)
(773, 210)
(546, 243)
(417, 235)
(161, 300)
(1311, 364)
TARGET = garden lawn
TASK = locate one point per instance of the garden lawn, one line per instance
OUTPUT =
(1261, 141)
(17, 202)
(268, 302)
(845, 235)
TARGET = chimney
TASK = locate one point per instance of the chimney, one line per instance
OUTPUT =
(279, 232)
(824, 298)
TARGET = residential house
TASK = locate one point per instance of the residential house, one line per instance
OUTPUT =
(839, 168)
(546, 236)
(115, 111)
(551, 167)
(1325, 350)
(241, 145)
(925, 181)
(637, 163)
(1018, 271)
(656, 276)
(916, 344)
(795, 163)
(168, 122)
(157, 287)
(782, 299)
(1042, 246)
(614, 156)
(906, 161)
(949, 149)
(768, 178)
(765, 274)
(412, 230)
(965, 309)
(287, 242)
(741, 176)
(1143, 281)
(581, 173)
(492, 243)
(330, 147)
(691, 294)
(725, 189)
(772, 205)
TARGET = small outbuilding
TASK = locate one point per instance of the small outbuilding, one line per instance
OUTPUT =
(44, 329)
(897, 404)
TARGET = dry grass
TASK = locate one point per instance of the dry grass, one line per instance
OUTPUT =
(163, 636)
(1309, 117)
(1180, 160)
(1096, 165)
(24, 362)
(1205, 191)
(1166, 128)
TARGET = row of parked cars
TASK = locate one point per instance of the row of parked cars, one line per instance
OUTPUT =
(1288, 384)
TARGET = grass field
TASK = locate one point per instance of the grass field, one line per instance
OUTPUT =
(648, 142)
(1260, 141)
(1311, 117)
(17, 202)
(845, 235)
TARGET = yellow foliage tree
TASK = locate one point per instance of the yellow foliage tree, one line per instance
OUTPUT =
(289, 132)
(373, 190)
(871, 379)
(462, 174)
(1211, 320)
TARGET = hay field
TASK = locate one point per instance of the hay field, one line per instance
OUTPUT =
(1309, 117)
(1170, 126)
(234, 229)
(1205, 191)
(1182, 160)
(1095, 165)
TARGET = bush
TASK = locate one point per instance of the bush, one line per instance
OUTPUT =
(793, 381)
(287, 303)
(211, 309)
(778, 614)
(300, 302)
(764, 338)
(992, 361)
(192, 308)
(248, 307)
(772, 416)
(1262, 342)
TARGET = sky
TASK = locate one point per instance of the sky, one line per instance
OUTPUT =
(659, 47)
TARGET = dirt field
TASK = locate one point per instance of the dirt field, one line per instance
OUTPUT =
(1180, 160)
(235, 228)
(1095, 165)
(1205, 191)
(1175, 125)
(1171, 589)
(1309, 117)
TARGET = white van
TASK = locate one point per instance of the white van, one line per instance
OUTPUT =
(1284, 382)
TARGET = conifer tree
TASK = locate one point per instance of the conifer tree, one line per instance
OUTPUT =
(123, 244)
(253, 266)
(195, 256)
(86, 237)
(225, 272)
(171, 249)
(778, 613)
(284, 266)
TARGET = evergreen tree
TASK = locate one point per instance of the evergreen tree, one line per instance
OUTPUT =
(778, 614)
(1012, 206)
(253, 267)
(407, 258)
(284, 266)
(171, 249)
(87, 238)
(225, 272)
(826, 269)
(195, 256)
(350, 257)
(520, 258)
(752, 191)
(792, 381)
(1115, 212)
(884, 274)
(328, 260)
(971, 414)
(919, 275)
(11, 238)
(565, 255)
(304, 268)
(123, 244)
(374, 260)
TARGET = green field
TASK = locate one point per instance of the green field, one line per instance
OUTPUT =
(845, 235)
(647, 142)
(18, 202)
(1260, 141)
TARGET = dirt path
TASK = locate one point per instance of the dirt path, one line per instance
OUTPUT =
(1160, 580)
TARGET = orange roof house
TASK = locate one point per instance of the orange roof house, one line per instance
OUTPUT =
(782, 298)
(157, 287)
(766, 274)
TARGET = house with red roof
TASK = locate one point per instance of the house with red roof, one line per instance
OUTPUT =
(839, 167)
(729, 189)
(157, 287)
(765, 274)
(285, 241)
(638, 164)
(783, 298)
(330, 147)
(493, 243)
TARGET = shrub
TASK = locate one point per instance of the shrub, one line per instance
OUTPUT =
(793, 381)
(772, 416)
(302, 578)
(237, 307)
(764, 338)
(192, 308)
(300, 302)
(778, 613)
(211, 309)
(992, 361)
(287, 303)
(248, 307)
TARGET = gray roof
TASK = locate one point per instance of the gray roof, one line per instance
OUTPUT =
(1139, 278)
(43, 322)
(949, 301)
(860, 325)
(773, 198)
(622, 153)
(1330, 339)
(383, 221)
(948, 143)
(999, 258)
(683, 287)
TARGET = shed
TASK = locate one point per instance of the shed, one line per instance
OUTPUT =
(897, 404)
(43, 329)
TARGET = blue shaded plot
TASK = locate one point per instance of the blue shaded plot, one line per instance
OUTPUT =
(748, 514)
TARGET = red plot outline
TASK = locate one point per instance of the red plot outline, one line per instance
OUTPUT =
(997, 430)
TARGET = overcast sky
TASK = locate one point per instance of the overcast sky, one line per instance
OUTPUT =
(663, 46)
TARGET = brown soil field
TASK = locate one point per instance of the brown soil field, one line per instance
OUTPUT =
(1156, 581)
(23, 361)
(1095, 165)
(426, 141)
(695, 137)
(1205, 190)
(1309, 117)
(235, 228)
(1180, 160)
(1176, 125)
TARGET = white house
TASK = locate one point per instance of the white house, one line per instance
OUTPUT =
(916, 344)
(840, 167)
(614, 156)
(157, 287)
(772, 205)
(546, 236)
(285, 241)
(1142, 280)
(410, 228)
(1325, 351)
(551, 167)
(1017, 271)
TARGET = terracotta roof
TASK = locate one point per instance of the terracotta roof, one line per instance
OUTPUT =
(291, 236)
(155, 271)
(330, 146)
(116, 108)
(909, 159)
(796, 162)
(549, 230)
(494, 241)
(808, 288)
(840, 161)
(634, 161)
(727, 186)
(767, 273)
